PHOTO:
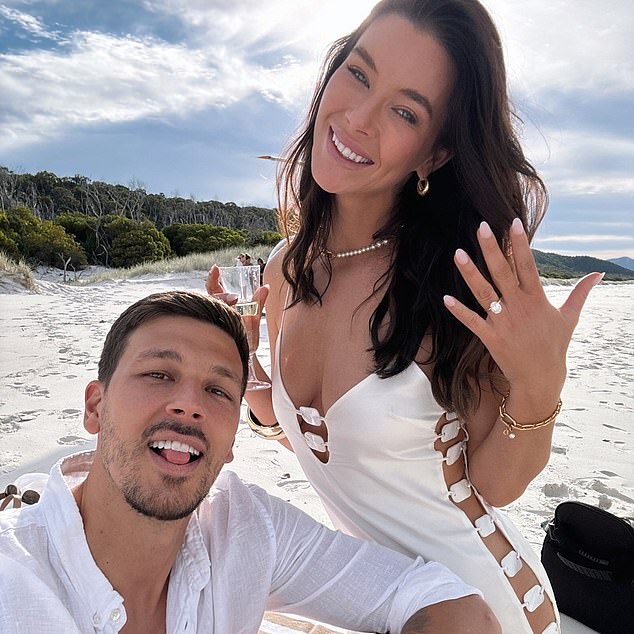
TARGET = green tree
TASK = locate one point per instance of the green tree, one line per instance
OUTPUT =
(22, 222)
(201, 238)
(259, 236)
(143, 242)
(50, 244)
(8, 238)
(83, 229)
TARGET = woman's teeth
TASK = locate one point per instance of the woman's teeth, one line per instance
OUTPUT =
(348, 153)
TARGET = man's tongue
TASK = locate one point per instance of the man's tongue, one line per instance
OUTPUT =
(175, 457)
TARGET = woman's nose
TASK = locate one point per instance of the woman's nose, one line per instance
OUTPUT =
(361, 116)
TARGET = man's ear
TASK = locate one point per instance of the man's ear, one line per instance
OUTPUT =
(92, 406)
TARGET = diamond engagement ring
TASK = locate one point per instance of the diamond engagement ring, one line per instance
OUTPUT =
(495, 307)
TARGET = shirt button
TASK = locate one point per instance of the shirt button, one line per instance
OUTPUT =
(96, 620)
(115, 615)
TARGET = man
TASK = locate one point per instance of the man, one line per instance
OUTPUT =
(129, 538)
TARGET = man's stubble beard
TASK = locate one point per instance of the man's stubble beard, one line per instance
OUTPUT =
(170, 502)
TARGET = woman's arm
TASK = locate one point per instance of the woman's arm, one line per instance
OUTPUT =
(501, 468)
(528, 340)
(260, 401)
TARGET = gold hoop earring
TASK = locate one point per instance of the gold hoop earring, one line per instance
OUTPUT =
(422, 187)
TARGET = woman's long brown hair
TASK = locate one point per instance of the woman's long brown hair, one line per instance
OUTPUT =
(487, 178)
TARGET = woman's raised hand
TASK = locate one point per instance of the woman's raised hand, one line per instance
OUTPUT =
(251, 322)
(525, 334)
(214, 286)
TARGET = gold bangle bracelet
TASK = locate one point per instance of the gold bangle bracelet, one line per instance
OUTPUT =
(511, 425)
(268, 432)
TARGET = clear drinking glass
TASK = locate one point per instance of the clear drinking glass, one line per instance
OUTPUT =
(243, 281)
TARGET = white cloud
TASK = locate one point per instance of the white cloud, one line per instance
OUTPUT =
(558, 53)
(27, 22)
(582, 160)
(303, 25)
(101, 78)
(564, 45)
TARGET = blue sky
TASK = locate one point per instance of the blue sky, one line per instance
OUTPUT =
(180, 96)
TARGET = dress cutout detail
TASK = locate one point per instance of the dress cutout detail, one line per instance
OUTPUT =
(427, 506)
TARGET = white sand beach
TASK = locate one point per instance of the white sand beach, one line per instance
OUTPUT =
(50, 343)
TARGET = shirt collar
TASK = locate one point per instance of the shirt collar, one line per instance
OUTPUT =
(66, 533)
(192, 567)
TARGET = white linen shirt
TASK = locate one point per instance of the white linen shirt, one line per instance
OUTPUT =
(244, 551)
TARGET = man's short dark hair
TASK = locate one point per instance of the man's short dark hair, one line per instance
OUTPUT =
(177, 303)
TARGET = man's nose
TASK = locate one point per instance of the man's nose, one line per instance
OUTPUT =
(187, 401)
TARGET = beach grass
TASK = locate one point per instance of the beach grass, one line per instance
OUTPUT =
(185, 264)
(18, 270)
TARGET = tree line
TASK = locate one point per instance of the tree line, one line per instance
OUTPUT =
(73, 221)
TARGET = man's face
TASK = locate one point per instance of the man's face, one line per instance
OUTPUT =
(168, 418)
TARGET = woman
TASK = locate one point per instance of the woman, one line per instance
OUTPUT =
(417, 364)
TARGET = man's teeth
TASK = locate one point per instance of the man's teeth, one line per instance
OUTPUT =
(175, 446)
(347, 152)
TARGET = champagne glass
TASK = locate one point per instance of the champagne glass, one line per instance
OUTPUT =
(243, 281)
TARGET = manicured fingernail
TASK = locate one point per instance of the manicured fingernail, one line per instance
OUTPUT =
(517, 227)
(599, 279)
(485, 230)
(461, 256)
(449, 301)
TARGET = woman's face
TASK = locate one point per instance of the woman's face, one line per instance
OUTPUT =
(381, 112)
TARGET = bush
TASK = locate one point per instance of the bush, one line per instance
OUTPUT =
(8, 238)
(37, 241)
(22, 222)
(270, 238)
(141, 243)
(50, 244)
(201, 238)
(83, 228)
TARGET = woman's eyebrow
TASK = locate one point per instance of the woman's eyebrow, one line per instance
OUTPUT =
(421, 100)
(412, 94)
(365, 56)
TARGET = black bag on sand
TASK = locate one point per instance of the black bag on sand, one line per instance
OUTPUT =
(588, 554)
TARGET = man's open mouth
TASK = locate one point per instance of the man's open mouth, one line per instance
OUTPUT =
(174, 451)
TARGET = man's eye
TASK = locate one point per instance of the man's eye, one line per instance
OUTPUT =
(219, 392)
(358, 75)
(158, 375)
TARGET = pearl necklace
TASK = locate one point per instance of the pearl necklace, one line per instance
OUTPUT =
(346, 254)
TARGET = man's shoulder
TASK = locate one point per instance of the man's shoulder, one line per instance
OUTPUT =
(233, 510)
(230, 489)
(28, 603)
(25, 518)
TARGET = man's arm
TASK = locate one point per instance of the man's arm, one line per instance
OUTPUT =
(469, 615)
(337, 579)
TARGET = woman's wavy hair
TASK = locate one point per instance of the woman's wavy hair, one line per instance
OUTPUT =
(487, 178)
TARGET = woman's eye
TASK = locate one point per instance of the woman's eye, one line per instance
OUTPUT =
(407, 115)
(358, 75)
